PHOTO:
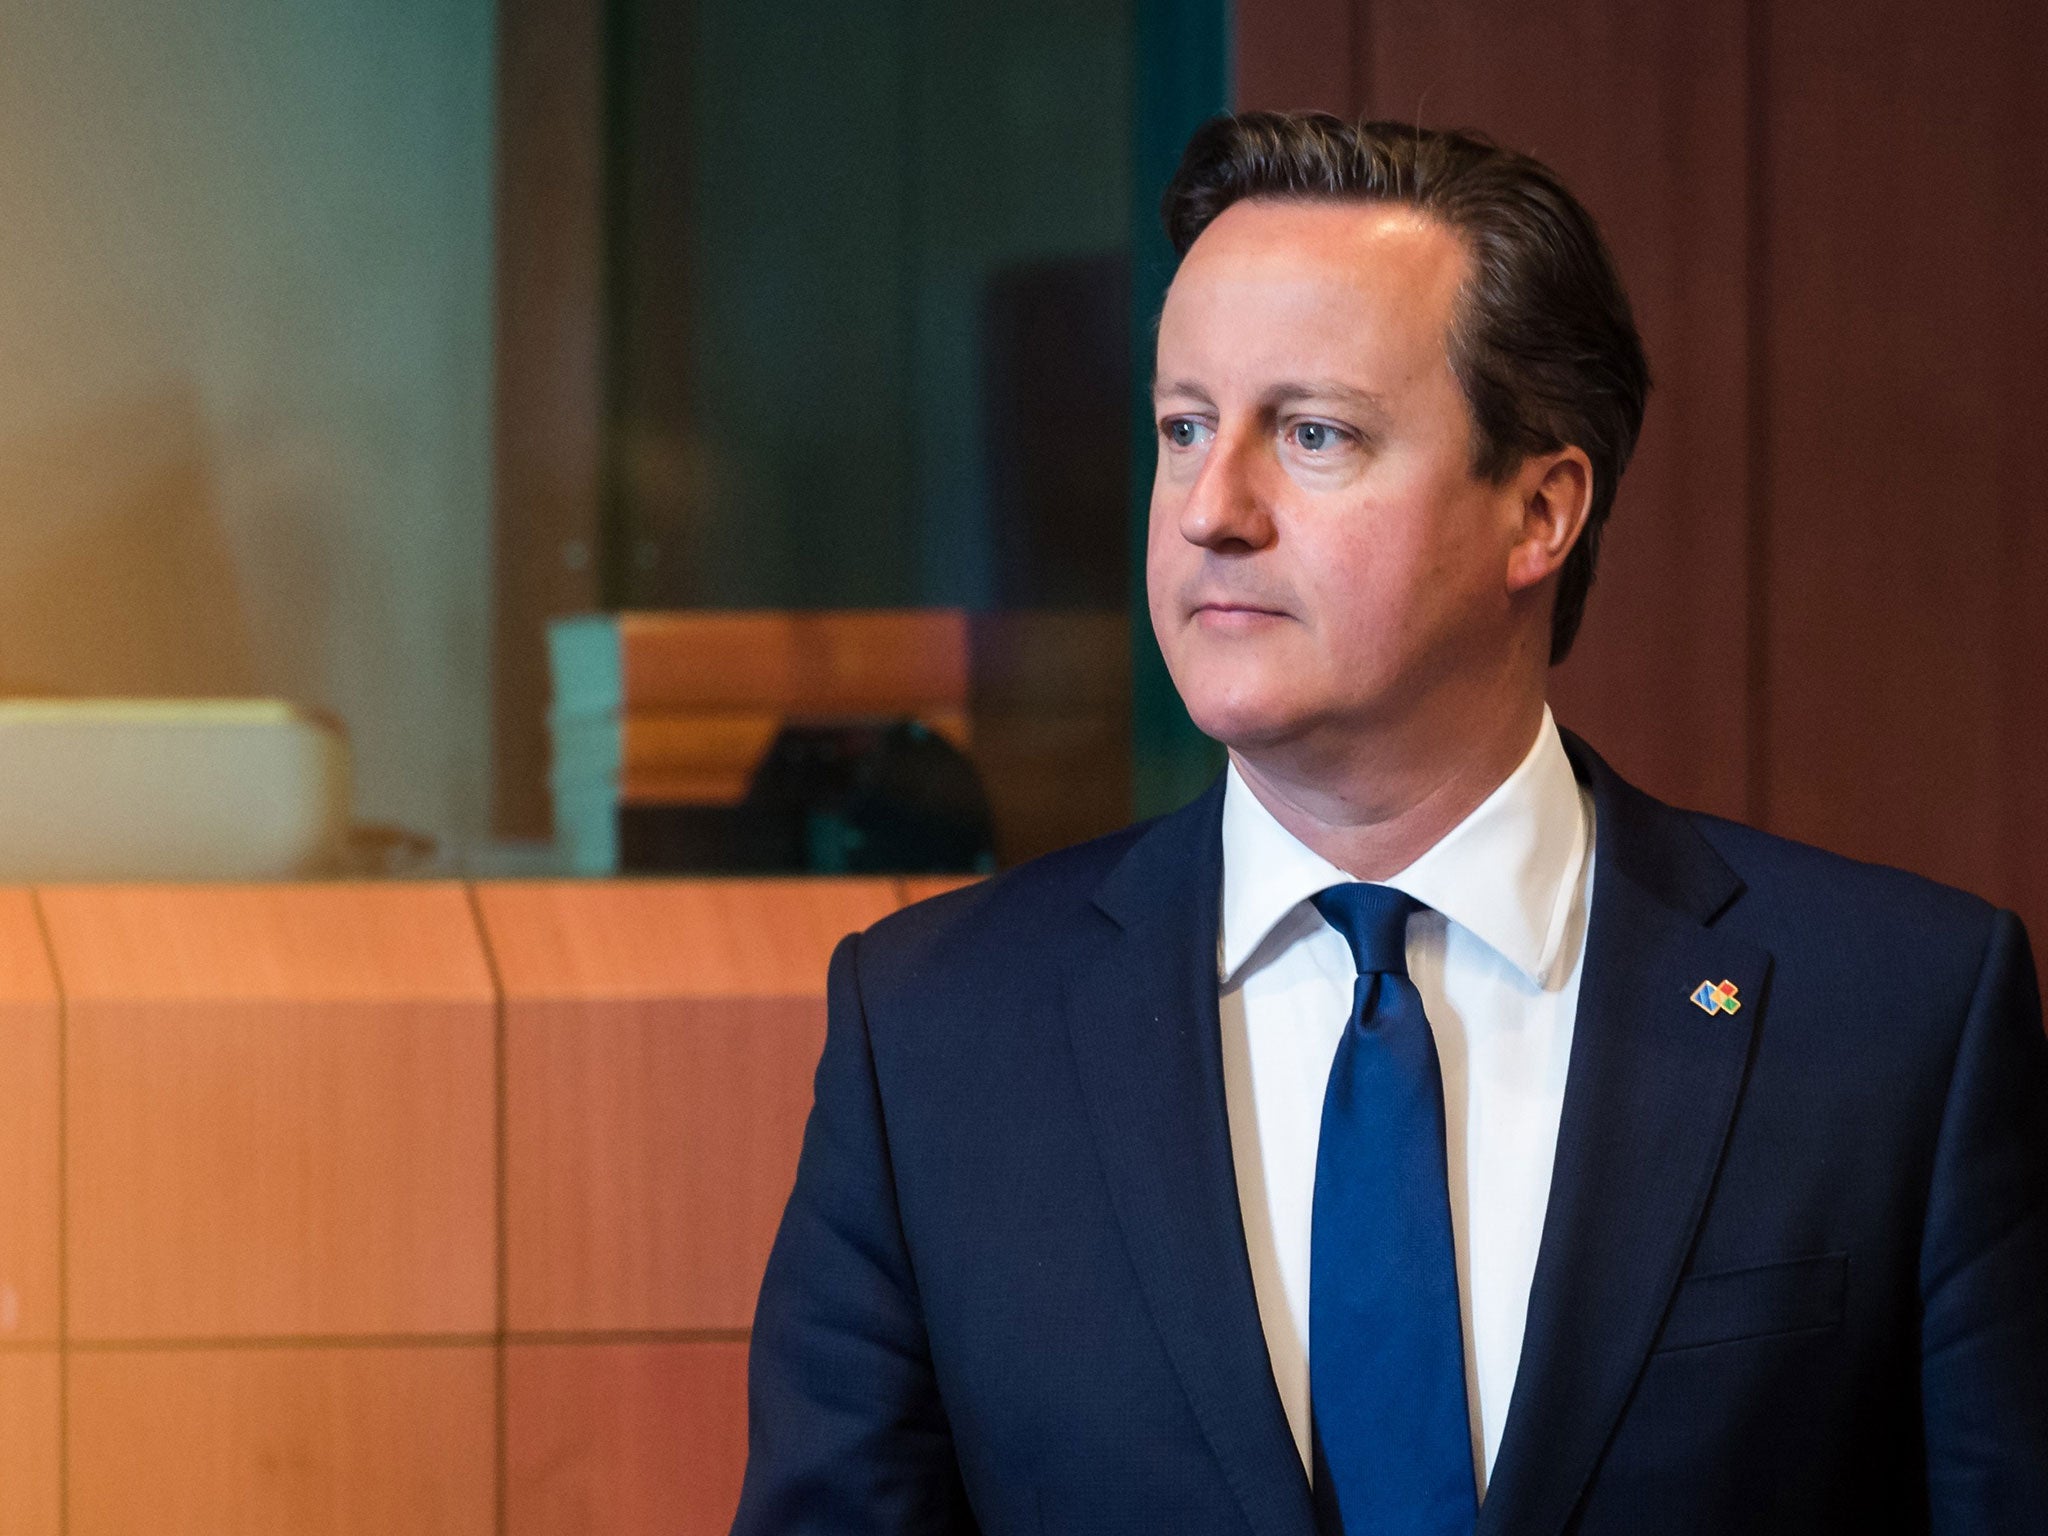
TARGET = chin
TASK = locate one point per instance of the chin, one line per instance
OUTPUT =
(1246, 722)
(1248, 691)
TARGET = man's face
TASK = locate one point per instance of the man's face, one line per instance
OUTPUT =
(1322, 560)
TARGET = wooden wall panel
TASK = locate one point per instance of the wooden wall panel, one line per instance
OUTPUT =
(625, 1439)
(682, 938)
(338, 943)
(28, 1127)
(659, 1045)
(258, 1442)
(1642, 110)
(1819, 607)
(1908, 708)
(2023, 459)
(650, 1150)
(1301, 55)
(281, 1111)
(29, 1492)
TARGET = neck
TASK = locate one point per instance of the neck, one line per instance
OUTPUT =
(1376, 803)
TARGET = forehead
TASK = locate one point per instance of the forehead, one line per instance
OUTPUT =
(1324, 286)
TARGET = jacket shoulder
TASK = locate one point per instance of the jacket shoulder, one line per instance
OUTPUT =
(1796, 897)
(1771, 873)
(1845, 923)
(1008, 922)
(1768, 863)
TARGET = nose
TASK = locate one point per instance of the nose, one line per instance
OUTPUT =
(1227, 509)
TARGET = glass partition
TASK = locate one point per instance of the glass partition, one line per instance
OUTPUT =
(871, 296)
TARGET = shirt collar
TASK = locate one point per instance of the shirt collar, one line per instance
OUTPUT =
(1507, 872)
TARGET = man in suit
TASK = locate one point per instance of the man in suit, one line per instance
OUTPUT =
(1424, 1130)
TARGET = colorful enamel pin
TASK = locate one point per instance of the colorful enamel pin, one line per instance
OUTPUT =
(1716, 998)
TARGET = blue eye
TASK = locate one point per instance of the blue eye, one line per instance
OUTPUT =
(1314, 437)
(1183, 433)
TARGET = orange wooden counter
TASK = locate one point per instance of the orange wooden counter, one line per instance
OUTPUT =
(30, 1374)
(400, 1208)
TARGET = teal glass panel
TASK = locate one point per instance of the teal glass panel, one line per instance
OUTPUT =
(1180, 78)
(882, 279)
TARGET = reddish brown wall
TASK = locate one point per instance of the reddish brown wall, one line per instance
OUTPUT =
(1821, 605)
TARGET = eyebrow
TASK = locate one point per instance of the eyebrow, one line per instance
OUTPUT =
(1364, 401)
(1185, 388)
(1287, 392)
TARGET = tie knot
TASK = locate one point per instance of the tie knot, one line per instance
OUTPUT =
(1374, 922)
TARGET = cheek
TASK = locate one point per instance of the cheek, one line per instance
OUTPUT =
(1172, 563)
(1380, 595)
(1347, 572)
(1164, 563)
(1441, 547)
(1163, 518)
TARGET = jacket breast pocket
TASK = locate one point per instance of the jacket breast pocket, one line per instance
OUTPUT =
(1794, 1296)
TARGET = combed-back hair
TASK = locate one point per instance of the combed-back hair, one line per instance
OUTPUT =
(1542, 340)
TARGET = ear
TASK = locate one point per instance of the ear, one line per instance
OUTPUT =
(1554, 494)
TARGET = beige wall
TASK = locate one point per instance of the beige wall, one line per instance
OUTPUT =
(245, 267)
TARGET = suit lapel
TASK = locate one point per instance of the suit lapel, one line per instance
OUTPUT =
(1142, 1012)
(1650, 1094)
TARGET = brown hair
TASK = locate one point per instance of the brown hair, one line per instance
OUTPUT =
(1543, 343)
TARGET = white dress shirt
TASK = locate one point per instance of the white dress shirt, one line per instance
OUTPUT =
(1496, 960)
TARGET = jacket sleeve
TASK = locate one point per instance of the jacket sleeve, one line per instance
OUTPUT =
(1984, 1261)
(845, 1431)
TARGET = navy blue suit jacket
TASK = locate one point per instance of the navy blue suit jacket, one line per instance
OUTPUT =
(1793, 1275)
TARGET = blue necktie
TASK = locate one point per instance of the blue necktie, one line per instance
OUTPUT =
(1393, 1448)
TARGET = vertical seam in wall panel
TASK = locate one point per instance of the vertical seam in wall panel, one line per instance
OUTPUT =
(501, 1407)
(910, 279)
(616, 105)
(2014, 703)
(1756, 417)
(1359, 59)
(63, 1217)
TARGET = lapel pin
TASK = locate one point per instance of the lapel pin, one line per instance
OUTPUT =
(1716, 998)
